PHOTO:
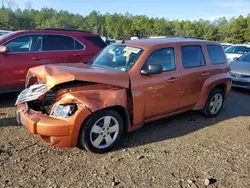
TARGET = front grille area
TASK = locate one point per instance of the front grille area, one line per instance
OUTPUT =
(239, 75)
(45, 104)
(240, 83)
(48, 101)
(31, 93)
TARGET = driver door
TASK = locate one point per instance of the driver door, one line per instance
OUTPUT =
(24, 53)
(161, 92)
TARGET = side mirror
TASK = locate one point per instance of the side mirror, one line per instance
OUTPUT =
(235, 58)
(152, 69)
(4, 49)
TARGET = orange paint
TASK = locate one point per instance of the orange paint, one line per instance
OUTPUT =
(145, 98)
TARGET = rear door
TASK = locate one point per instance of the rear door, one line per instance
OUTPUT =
(194, 74)
(62, 49)
(25, 52)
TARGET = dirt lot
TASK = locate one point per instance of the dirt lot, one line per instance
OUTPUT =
(178, 152)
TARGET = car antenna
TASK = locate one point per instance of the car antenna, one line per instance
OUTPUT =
(123, 41)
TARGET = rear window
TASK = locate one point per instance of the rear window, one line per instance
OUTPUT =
(216, 54)
(78, 45)
(58, 43)
(96, 40)
(192, 56)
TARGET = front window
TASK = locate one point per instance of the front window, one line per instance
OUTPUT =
(237, 50)
(117, 57)
(26, 43)
(245, 58)
(164, 57)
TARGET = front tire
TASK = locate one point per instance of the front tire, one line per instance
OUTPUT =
(102, 131)
(214, 103)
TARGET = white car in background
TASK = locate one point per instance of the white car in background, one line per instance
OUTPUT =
(226, 45)
(236, 51)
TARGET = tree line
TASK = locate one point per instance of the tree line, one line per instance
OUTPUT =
(124, 26)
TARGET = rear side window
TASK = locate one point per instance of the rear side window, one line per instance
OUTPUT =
(164, 57)
(78, 45)
(96, 40)
(216, 54)
(192, 56)
(58, 43)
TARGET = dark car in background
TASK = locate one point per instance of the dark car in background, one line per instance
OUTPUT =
(22, 50)
(240, 72)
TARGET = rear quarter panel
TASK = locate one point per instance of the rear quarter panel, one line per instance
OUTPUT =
(219, 75)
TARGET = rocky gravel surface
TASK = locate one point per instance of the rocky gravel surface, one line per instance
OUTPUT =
(187, 150)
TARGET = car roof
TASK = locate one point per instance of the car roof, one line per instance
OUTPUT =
(247, 45)
(65, 32)
(145, 43)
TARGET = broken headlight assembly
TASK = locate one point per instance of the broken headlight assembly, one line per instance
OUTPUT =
(64, 111)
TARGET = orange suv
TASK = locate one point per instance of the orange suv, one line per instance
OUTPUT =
(123, 87)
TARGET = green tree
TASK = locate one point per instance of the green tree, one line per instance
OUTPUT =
(238, 28)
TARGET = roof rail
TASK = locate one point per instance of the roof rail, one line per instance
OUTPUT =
(60, 29)
(200, 38)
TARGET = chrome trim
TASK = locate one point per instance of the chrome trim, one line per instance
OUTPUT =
(239, 75)
(31, 93)
(42, 34)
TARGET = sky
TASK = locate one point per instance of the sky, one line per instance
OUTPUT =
(169, 9)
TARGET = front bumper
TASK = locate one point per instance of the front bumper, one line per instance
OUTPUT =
(59, 132)
(240, 82)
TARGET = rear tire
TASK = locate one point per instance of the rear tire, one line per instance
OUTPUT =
(101, 132)
(214, 103)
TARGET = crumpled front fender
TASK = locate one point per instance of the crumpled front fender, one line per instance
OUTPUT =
(100, 99)
(92, 100)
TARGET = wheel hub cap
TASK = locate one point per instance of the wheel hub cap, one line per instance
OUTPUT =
(216, 103)
(104, 132)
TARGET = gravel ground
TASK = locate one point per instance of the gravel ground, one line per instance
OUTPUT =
(187, 150)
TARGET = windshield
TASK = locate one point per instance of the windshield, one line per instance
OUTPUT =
(245, 58)
(237, 49)
(5, 35)
(117, 57)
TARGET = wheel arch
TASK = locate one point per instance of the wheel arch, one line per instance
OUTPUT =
(222, 82)
(121, 111)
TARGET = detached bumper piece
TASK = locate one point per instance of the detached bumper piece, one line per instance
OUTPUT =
(31, 93)
(52, 131)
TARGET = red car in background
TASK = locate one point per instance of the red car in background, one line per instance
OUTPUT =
(22, 50)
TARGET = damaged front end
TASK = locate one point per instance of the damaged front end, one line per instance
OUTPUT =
(55, 113)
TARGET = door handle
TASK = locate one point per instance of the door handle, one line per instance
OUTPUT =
(76, 54)
(172, 79)
(36, 58)
(205, 74)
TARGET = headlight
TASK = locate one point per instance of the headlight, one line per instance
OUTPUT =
(64, 111)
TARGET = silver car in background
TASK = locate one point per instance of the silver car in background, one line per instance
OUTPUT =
(240, 72)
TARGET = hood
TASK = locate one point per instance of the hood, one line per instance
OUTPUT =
(240, 67)
(53, 75)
